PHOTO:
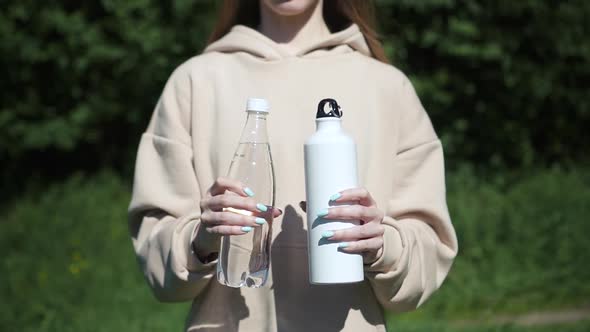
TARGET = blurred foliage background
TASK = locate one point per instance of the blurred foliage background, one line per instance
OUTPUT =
(505, 82)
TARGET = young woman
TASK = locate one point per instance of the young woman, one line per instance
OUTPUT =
(293, 53)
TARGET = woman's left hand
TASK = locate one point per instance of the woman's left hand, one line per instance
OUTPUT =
(366, 238)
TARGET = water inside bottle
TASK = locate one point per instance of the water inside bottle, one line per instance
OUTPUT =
(244, 259)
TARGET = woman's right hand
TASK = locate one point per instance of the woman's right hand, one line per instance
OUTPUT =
(228, 209)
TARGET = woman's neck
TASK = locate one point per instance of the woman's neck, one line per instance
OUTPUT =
(297, 31)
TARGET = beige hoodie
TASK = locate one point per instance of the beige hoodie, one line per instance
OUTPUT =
(190, 142)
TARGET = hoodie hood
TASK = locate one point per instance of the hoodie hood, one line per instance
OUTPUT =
(244, 39)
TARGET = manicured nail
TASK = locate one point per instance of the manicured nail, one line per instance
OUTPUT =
(328, 234)
(323, 213)
(248, 191)
(335, 196)
(246, 229)
(343, 245)
(260, 221)
(261, 207)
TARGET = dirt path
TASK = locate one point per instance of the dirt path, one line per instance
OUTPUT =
(548, 317)
(536, 318)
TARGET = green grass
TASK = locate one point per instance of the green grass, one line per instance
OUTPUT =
(523, 243)
(68, 263)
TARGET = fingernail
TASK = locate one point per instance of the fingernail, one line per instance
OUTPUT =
(261, 207)
(248, 191)
(323, 213)
(280, 210)
(343, 245)
(260, 221)
(335, 196)
(246, 229)
(328, 234)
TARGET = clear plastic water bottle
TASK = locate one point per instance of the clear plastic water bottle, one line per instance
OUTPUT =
(244, 259)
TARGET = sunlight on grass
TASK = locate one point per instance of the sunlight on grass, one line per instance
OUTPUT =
(69, 264)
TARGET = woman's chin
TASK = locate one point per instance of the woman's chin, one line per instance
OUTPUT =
(289, 7)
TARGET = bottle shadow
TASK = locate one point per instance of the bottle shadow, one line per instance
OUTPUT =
(301, 306)
(219, 299)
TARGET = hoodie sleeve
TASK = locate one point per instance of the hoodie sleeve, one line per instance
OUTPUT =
(164, 209)
(419, 241)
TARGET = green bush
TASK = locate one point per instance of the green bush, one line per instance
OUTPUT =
(506, 82)
(68, 263)
(81, 78)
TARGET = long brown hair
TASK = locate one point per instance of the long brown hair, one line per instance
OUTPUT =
(338, 14)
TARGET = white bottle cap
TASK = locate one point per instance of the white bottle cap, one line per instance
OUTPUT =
(257, 104)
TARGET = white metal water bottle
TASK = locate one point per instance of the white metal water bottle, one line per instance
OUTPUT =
(330, 167)
(244, 259)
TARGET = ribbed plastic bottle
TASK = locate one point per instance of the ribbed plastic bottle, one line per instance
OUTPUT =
(330, 167)
(244, 259)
